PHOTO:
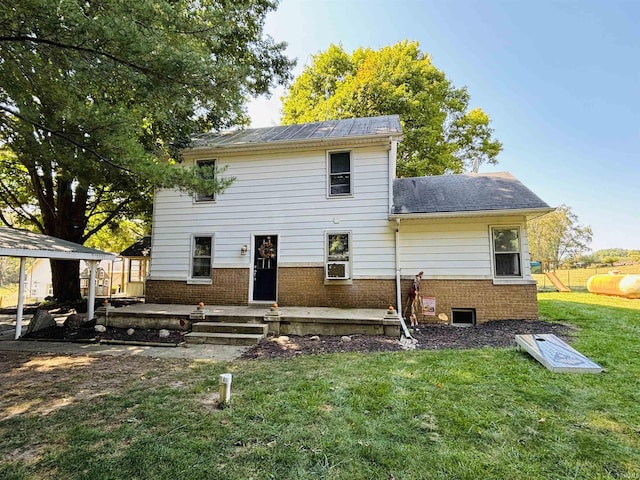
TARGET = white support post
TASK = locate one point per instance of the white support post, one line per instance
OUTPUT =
(91, 301)
(23, 262)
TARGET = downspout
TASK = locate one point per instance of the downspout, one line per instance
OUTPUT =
(398, 283)
(393, 152)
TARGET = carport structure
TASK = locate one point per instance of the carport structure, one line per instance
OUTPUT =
(24, 244)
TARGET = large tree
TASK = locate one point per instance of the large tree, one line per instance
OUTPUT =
(442, 134)
(97, 98)
(556, 236)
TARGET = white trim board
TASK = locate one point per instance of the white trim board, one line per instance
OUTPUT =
(556, 355)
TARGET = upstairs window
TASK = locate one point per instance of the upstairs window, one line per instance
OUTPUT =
(338, 256)
(207, 172)
(202, 249)
(506, 252)
(340, 174)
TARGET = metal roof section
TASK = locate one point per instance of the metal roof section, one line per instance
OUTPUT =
(23, 243)
(383, 126)
(466, 194)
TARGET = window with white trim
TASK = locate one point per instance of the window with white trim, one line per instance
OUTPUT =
(338, 256)
(201, 256)
(208, 172)
(340, 174)
(507, 258)
(136, 270)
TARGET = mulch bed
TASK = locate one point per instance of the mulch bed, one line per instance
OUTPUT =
(430, 337)
(112, 335)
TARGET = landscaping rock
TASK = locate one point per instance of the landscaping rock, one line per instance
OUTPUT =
(345, 338)
(130, 331)
(41, 319)
(100, 328)
(73, 322)
(315, 338)
(164, 333)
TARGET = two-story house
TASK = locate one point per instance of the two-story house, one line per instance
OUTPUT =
(316, 217)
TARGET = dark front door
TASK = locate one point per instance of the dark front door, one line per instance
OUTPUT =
(265, 268)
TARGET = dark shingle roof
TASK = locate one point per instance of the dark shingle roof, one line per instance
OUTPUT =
(330, 129)
(472, 192)
(138, 249)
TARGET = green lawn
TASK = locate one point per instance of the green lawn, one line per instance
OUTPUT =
(474, 414)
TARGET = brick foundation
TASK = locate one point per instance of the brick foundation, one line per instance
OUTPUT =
(229, 287)
(491, 302)
(306, 287)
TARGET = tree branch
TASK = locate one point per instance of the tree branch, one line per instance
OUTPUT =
(66, 138)
(78, 48)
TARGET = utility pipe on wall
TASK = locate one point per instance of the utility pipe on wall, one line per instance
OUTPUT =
(398, 283)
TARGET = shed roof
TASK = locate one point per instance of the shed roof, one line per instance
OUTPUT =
(141, 248)
(382, 126)
(470, 193)
(23, 243)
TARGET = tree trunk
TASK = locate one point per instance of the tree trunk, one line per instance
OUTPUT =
(65, 277)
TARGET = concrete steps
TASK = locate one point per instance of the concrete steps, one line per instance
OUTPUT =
(225, 333)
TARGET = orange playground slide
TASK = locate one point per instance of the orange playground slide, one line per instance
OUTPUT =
(561, 287)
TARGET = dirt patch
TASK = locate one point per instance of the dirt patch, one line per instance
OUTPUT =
(430, 337)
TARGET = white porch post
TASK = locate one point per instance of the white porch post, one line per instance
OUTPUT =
(23, 262)
(91, 301)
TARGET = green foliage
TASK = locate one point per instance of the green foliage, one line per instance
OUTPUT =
(557, 236)
(617, 254)
(97, 98)
(442, 135)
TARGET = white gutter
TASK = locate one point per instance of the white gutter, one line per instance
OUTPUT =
(286, 144)
(398, 284)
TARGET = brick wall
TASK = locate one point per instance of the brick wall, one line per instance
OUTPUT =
(491, 302)
(306, 287)
(229, 287)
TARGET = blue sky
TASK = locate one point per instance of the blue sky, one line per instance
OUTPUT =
(559, 79)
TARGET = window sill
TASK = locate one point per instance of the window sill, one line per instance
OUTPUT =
(347, 281)
(512, 281)
(199, 281)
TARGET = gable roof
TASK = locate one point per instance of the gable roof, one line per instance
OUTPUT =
(351, 128)
(469, 194)
(142, 248)
(23, 243)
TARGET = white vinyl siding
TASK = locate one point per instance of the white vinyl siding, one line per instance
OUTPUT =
(453, 248)
(283, 192)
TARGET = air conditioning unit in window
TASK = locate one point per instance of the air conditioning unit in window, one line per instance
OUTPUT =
(338, 270)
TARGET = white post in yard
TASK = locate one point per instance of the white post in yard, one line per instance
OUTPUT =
(23, 262)
(91, 301)
(225, 388)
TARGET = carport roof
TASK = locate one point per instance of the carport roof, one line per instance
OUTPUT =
(23, 243)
